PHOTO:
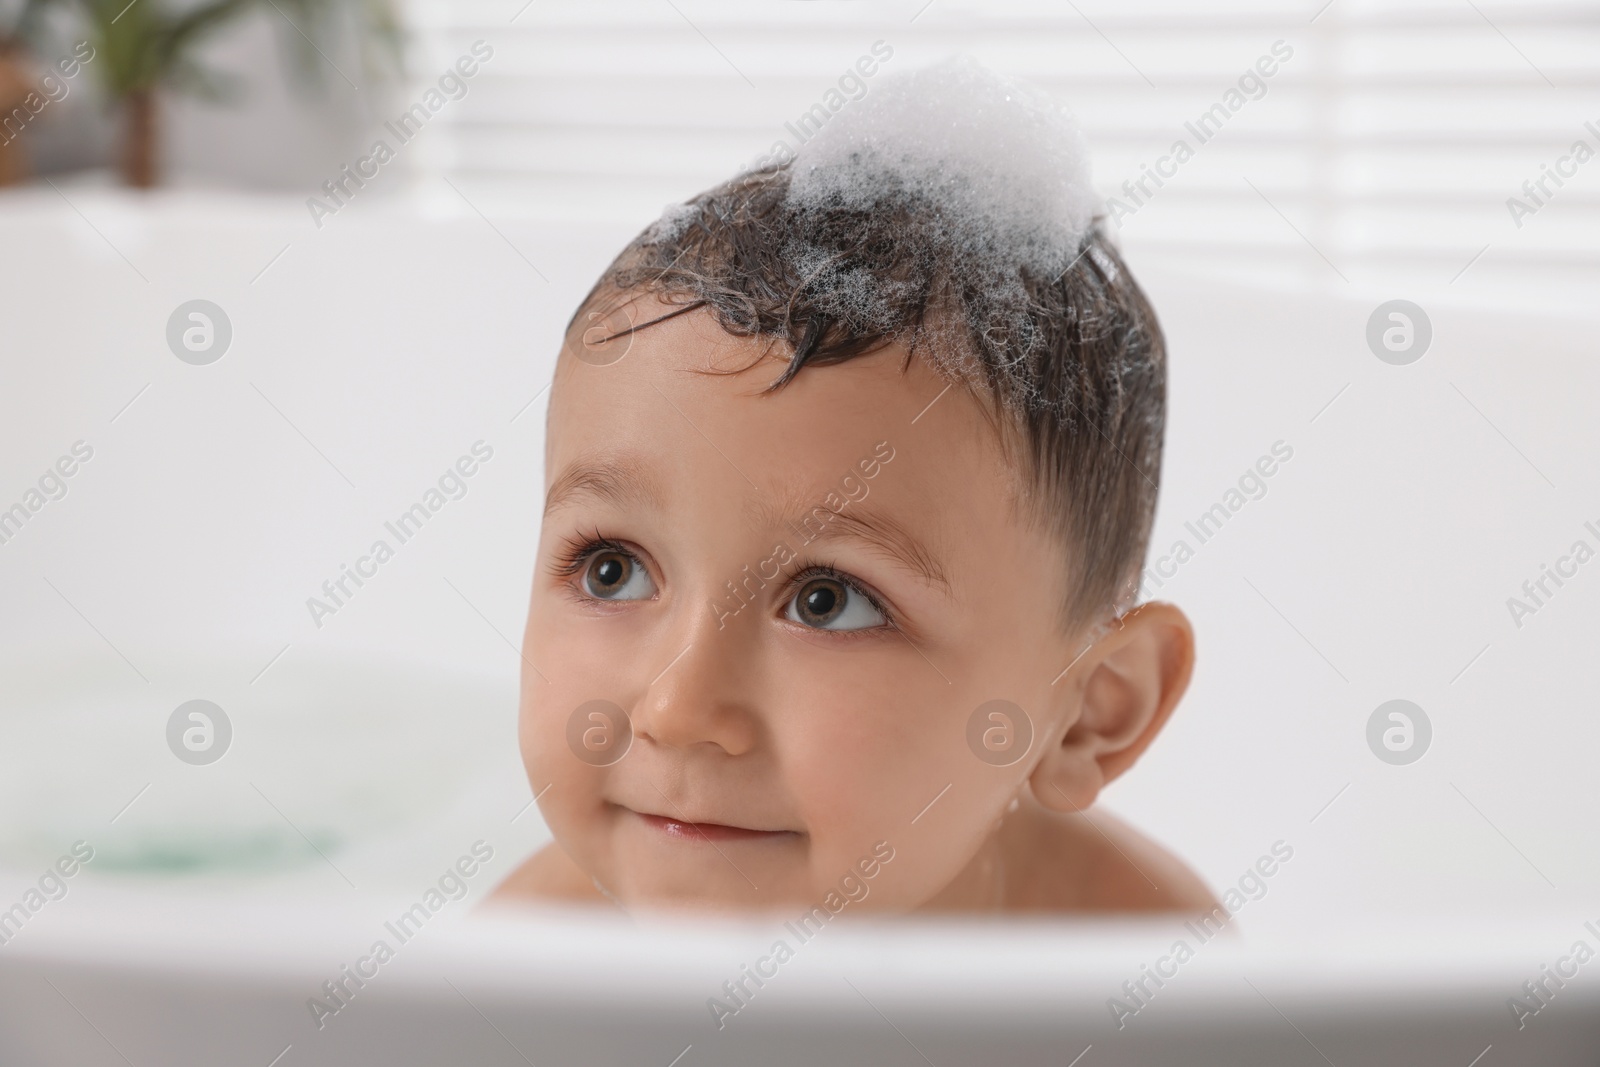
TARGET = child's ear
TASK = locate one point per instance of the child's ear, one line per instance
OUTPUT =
(1120, 695)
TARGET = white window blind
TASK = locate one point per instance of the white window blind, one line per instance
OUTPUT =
(1382, 151)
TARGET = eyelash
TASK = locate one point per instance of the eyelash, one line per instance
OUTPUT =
(576, 551)
(829, 571)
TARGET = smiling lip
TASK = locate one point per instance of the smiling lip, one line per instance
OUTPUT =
(680, 830)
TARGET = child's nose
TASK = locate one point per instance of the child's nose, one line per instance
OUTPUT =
(703, 697)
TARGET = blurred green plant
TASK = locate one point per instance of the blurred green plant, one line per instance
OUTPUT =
(144, 47)
(16, 82)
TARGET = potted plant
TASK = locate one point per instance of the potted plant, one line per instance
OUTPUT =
(16, 82)
(146, 47)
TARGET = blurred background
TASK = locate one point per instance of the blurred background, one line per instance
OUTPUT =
(359, 336)
(1391, 139)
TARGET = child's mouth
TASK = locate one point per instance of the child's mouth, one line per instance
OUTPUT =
(709, 832)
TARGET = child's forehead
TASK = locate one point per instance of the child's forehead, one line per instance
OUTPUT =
(679, 357)
(629, 349)
(688, 406)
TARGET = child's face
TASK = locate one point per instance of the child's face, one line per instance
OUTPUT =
(808, 725)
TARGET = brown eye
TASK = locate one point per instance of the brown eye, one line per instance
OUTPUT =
(820, 601)
(615, 576)
(829, 604)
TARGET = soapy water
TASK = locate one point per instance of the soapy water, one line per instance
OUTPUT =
(345, 767)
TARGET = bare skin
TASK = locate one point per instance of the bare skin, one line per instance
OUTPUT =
(1064, 863)
(825, 726)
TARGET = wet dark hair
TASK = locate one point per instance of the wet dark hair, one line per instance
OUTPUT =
(1074, 375)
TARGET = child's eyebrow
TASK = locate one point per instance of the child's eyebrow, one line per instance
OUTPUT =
(871, 526)
(621, 481)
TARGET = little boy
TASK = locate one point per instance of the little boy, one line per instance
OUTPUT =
(851, 465)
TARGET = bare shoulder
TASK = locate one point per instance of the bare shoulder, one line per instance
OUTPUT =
(1098, 863)
(548, 875)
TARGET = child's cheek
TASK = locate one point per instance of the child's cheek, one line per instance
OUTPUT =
(567, 790)
(555, 774)
(863, 764)
(894, 764)
(543, 730)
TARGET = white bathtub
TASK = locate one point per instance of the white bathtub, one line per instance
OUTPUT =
(371, 750)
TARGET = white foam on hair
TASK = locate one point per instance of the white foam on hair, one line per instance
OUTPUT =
(999, 172)
(1006, 164)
